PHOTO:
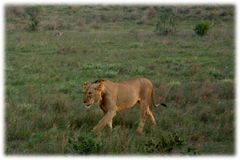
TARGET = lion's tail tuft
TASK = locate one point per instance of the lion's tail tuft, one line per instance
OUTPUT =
(157, 105)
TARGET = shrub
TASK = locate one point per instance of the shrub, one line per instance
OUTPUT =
(84, 144)
(16, 11)
(201, 28)
(53, 24)
(33, 12)
(165, 24)
(150, 13)
(164, 144)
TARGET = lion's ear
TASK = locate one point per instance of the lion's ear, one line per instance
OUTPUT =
(99, 87)
(85, 85)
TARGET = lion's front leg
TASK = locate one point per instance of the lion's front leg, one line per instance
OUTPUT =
(107, 119)
(110, 124)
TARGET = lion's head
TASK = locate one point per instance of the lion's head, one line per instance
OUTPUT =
(92, 93)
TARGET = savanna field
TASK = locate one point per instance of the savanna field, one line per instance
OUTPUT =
(50, 51)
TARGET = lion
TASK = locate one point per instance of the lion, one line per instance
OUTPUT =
(113, 97)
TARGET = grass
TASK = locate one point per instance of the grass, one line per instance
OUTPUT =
(193, 75)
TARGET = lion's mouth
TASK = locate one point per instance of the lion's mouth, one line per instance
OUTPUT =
(88, 106)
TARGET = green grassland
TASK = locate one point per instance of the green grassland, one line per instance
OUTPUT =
(193, 75)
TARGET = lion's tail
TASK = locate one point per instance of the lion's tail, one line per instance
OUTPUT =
(153, 103)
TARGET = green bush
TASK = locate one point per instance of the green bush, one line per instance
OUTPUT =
(164, 144)
(202, 28)
(84, 144)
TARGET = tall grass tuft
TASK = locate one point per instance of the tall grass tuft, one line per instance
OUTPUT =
(165, 24)
(33, 13)
(202, 28)
(84, 144)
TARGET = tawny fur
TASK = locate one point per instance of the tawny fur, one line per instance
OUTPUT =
(113, 97)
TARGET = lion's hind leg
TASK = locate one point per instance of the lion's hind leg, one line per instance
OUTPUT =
(151, 117)
(143, 114)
